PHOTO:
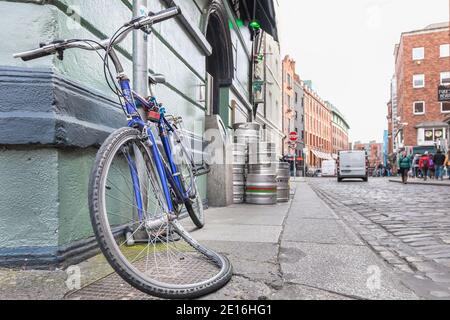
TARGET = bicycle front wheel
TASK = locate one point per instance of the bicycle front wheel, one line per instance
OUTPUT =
(143, 242)
(185, 165)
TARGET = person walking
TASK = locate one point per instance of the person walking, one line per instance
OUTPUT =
(424, 164)
(431, 167)
(415, 166)
(439, 161)
(388, 170)
(404, 163)
(447, 164)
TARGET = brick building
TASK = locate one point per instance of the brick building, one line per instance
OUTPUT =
(422, 64)
(289, 100)
(318, 133)
(374, 151)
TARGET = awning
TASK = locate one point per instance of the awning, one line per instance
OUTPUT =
(432, 124)
(261, 10)
(422, 150)
(322, 155)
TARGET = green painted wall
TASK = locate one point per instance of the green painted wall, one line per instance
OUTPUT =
(29, 203)
(43, 188)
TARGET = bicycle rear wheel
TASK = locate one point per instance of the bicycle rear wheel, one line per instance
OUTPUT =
(144, 243)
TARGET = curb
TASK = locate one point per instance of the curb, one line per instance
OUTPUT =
(423, 183)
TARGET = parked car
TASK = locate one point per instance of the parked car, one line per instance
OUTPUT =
(353, 165)
(329, 168)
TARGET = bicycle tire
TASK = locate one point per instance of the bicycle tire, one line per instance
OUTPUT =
(107, 238)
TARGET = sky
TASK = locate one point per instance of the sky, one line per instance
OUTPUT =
(347, 49)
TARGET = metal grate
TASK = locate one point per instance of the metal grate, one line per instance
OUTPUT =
(192, 268)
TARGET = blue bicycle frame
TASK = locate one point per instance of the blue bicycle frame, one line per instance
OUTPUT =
(136, 122)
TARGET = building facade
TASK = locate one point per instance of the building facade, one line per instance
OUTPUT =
(374, 151)
(422, 64)
(54, 114)
(318, 132)
(288, 103)
(390, 130)
(339, 130)
(268, 97)
(299, 124)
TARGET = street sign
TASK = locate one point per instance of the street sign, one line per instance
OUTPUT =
(444, 93)
(293, 136)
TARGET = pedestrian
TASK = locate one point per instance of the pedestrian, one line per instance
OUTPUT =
(380, 170)
(388, 170)
(404, 163)
(447, 163)
(439, 161)
(415, 166)
(431, 167)
(424, 165)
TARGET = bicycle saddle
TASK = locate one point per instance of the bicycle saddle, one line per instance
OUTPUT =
(156, 78)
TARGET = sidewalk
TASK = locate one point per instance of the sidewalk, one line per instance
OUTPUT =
(297, 250)
(430, 182)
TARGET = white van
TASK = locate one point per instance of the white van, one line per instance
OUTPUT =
(353, 165)
(328, 168)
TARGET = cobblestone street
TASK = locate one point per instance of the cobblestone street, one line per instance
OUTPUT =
(408, 226)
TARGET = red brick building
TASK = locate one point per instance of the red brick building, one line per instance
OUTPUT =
(318, 133)
(374, 151)
(288, 101)
(422, 64)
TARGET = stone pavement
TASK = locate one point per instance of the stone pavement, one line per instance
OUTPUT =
(430, 182)
(298, 250)
(407, 225)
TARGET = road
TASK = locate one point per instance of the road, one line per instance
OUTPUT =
(407, 225)
(353, 240)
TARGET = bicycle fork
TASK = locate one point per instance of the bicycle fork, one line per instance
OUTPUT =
(161, 175)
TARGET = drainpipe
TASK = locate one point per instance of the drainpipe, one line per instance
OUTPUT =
(140, 53)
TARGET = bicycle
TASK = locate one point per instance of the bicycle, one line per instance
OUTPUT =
(138, 188)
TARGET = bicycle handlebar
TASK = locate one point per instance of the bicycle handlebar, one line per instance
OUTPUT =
(53, 47)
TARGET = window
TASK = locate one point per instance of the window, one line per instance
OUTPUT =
(445, 77)
(433, 135)
(445, 50)
(419, 53)
(429, 134)
(419, 107)
(419, 81)
(438, 134)
(445, 107)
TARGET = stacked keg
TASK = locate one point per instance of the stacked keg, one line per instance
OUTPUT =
(257, 176)
(283, 186)
(261, 187)
(239, 171)
(245, 134)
